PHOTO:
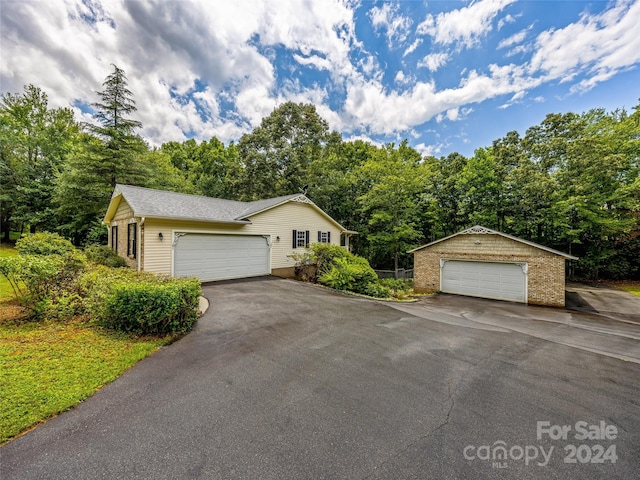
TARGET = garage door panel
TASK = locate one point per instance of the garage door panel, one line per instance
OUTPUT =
(218, 257)
(503, 281)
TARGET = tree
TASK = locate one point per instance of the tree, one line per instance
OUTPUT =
(34, 143)
(110, 152)
(276, 156)
(210, 168)
(391, 204)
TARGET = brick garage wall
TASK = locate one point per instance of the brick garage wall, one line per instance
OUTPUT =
(546, 271)
(122, 242)
(122, 218)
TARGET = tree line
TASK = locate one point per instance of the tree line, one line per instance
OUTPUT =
(572, 182)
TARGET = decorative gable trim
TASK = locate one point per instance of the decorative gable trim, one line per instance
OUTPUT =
(478, 229)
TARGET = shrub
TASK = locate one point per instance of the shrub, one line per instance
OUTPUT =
(375, 289)
(41, 282)
(152, 306)
(398, 286)
(103, 255)
(44, 243)
(353, 273)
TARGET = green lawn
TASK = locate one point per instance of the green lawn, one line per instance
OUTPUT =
(48, 367)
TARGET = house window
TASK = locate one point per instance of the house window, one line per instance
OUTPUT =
(114, 237)
(131, 239)
(324, 237)
(300, 238)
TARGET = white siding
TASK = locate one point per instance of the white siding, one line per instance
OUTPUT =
(276, 222)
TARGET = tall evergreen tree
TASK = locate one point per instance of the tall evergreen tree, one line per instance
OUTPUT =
(109, 153)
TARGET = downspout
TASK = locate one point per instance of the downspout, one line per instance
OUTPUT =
(139, 240)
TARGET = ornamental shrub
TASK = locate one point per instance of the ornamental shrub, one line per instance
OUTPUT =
(44, 243)
(354, 274)
(103, 255)
(41, 282)
(151, 306)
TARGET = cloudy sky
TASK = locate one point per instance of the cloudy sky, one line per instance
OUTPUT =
(448, 76)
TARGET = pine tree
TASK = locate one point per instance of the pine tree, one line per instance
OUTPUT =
(109, 153)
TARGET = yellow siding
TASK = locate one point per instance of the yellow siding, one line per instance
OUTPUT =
(123, 212)
(276, 222)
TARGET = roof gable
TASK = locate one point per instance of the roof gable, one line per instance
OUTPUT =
(480, 230)
(151, 203)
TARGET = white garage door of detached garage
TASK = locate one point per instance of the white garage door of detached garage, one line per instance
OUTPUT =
(220, 257)
(500, 281)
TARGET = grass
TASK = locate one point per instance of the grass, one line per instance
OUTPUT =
(46, 368)
(631, 286)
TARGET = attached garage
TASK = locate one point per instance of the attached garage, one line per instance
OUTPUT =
(220, 257)
(481, 262)
(181, 235)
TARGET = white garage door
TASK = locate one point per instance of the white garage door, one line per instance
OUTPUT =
(220, 257)
(501, 281)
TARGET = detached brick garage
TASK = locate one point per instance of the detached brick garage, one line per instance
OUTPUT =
(481, 262)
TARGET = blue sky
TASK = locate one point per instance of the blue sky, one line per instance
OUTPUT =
(446, 75)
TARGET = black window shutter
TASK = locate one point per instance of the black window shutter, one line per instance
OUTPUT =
(306, 238)
(295, 239)
(135, 239)
(128, 239)
(319, 236)
(328, 237)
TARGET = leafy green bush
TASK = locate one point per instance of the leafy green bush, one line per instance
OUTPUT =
(335, 267)
(398, 286)
(375, 289)
(152, 306)
(41, 282)
(44, 243)
(354, 274)
(103, 255)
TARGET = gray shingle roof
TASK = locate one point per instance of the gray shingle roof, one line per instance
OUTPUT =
(147, 202)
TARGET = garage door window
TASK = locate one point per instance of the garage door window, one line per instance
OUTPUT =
(300, 238)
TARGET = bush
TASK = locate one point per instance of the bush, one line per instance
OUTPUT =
(152, 306)
(103, 255)
(44, 243)
(41, 282)
(375, 289)
(354, 274)
(398, 286)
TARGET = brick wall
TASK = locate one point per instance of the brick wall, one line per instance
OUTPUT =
(121, 219)
(546, 271)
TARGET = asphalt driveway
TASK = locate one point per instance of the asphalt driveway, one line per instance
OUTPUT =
(281, 380)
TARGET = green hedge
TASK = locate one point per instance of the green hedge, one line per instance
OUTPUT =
(103, 255)
(44, 243)
(152, 307)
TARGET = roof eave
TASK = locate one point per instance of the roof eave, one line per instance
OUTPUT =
(196, 219)
(505, 235)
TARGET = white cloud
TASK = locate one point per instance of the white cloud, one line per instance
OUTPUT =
(600, 45)
(211, 68)
(465, 25)
(513, 39)
(396, 25)
(411, 48)
(508, 18)
(434, 61)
